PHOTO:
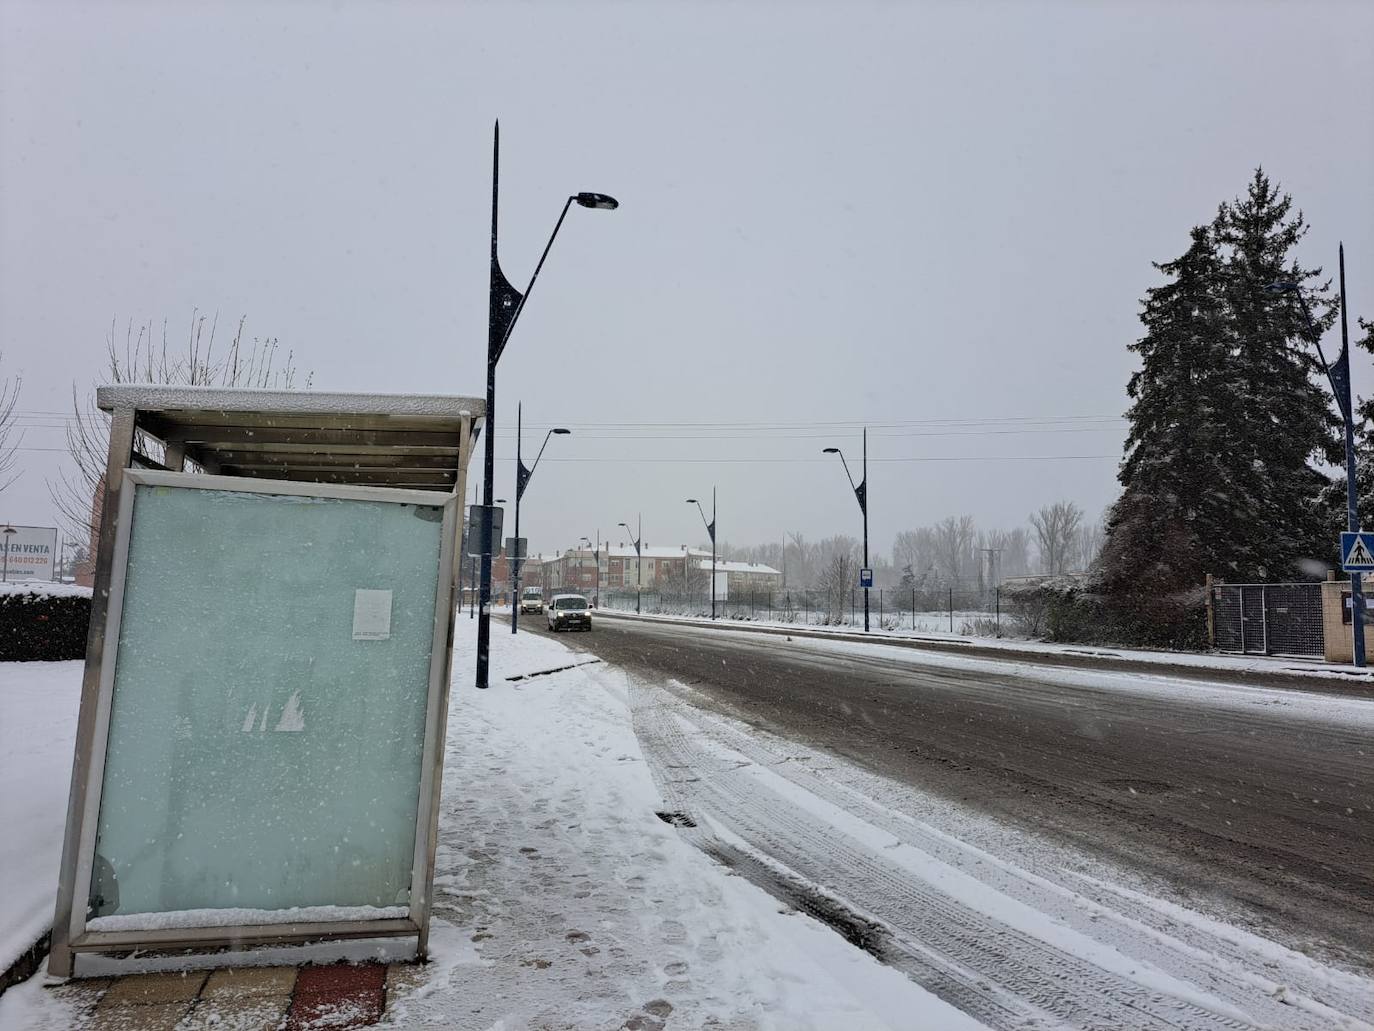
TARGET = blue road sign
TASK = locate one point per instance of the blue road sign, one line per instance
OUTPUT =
(866, 575)
(1357, 552)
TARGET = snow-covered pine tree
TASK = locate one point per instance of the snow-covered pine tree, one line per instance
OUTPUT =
(1284, 422)
(1185, 488)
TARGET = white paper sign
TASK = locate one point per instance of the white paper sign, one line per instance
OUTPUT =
(371, 615)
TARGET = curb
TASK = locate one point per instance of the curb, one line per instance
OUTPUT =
(26, 965)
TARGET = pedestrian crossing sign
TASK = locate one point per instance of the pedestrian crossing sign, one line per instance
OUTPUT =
(1357, 552)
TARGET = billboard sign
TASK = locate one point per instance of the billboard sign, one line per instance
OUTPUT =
(29, 552)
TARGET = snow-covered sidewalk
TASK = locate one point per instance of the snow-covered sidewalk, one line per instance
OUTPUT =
(38, 704)
(565, 901)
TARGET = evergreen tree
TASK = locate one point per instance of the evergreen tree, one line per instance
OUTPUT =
(1231, 416)
(1285, 421)
(1182, 484)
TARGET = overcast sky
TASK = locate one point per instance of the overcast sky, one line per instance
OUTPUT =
(935, 219)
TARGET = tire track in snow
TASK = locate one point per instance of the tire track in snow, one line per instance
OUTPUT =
(998, 973)
(1136, 927)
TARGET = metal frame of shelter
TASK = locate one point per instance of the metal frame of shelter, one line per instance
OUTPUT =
(278, 442)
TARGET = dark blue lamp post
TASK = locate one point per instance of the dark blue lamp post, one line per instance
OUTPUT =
(860, 492)
(711, 532)
(1338, 374)
(639, 560)
(504, 307)
(522, 480)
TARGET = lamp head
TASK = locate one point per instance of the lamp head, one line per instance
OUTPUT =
(693, 501)
(599, 201)
(560, 430)
(830, 451)
(1281, 287)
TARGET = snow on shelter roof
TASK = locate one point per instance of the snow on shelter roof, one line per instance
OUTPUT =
(395, 440)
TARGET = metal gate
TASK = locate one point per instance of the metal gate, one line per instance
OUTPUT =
(1268, 619)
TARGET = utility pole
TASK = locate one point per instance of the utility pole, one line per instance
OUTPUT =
(994, 565)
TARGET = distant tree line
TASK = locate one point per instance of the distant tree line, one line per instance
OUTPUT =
(955, 551)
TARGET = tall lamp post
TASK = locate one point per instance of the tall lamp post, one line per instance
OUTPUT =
(505, 303)
(596, 558)
(860, 492)
(711, 532)
(1338, 374)
(9, 532)
(639, 560)
(522, 480)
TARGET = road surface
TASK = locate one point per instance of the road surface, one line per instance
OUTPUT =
(1262, 811)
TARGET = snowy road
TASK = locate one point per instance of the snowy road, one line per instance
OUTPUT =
(1013, 934)
(1252, 805)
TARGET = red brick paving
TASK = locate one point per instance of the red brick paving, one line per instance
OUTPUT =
(339, 996)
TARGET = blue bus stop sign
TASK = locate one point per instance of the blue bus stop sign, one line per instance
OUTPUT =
(866, 575)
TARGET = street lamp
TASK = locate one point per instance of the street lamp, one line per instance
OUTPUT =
(596, 564)
(9, 531)
(522, 480)
(711, 531)
(639, 560)
(1338, 375)
(505, 303)
(596, 557)
(860, 492)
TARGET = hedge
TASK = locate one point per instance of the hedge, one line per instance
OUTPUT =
(39, 623)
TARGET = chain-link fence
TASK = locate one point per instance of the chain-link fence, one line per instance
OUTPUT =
(1268, 619)
(956, 609)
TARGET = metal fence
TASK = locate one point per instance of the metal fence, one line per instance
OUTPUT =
(1268, 619)
(949, 609)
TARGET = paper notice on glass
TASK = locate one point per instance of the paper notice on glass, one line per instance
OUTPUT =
(371, 615)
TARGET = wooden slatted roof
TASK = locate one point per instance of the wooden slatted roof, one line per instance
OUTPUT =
(394, 440)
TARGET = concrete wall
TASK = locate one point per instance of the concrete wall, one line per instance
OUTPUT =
(1337, 639)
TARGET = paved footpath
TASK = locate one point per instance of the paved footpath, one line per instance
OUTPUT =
(337, 996)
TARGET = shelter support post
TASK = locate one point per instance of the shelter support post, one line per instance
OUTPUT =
(117, 460)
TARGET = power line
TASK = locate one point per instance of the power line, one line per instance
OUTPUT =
(775, 461)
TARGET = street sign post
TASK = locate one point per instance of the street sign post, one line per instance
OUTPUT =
(1357, 552)
(865, 577)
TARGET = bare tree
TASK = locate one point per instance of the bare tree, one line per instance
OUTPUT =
(1056, 527)
(77, 494)
(10, 434)
(1088, 543)
(954, 541)
(837, 579)
(800, 559)
(1011, 554)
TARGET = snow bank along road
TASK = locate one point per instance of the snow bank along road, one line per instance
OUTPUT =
(1153, 801)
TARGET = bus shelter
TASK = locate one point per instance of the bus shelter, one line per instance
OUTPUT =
(260, 743)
